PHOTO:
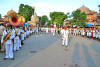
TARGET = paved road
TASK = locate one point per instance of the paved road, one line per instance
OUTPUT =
(47, 51)
(33, 45)
(82, 52)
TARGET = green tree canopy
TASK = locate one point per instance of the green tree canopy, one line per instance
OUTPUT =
(0, 16)
(79, 18)
(58, 17)
(39, 18)
(49, 22)
(26, 11)
(98, 18)
(44, 19)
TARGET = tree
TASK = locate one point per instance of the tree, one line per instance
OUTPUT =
(98, 18)
(58, 17)
(39, 18)
(44, 19)
(26, 11)
(0, 16)
(49, 22)
(79, 18)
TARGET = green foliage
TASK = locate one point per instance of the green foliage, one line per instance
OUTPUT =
(98, 17)
(39, 18)
(79, 18)
(44, 19)
(0, 16)
(49, 22)
(58, 17)
(26, 11)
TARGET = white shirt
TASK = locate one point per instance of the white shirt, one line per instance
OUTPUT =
(66, 32)
(9, 41)
(4, 34)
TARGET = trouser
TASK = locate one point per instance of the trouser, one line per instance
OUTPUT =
(63, 41)
(2, 48)
(74, 34)
(22, 42)
(66, 41)
(53, 33)
(9, 50)
(19, 45)
(16, 46)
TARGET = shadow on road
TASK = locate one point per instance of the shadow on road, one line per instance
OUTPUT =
(76, 55)
(88, 57)
(96, 47)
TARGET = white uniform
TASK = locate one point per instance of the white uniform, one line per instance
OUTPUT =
(22, 35)
(53, 31)
(66, 32)
(62, 34)
(19, 45)
(37, 30)
(4, 34)
(47, 30)
(16, 42)
(74, 32)
(9, 46)
(94, 33)
(83, 33)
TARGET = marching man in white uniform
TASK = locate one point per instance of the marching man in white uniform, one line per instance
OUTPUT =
(62, 35)
(47, 30)
(22, 36)
(65, 33)
(2, 37)
(53, 31)
(9, 45)
(16, 41)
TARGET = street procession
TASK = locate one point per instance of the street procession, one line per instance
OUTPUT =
(13, 36)
(49, 33)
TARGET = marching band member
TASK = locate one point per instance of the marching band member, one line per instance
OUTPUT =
(65, 35)
(74, 31)
(88, 33)
(62, 35)
(16, 41)
(9, 45)
(47, 30)
(19, 40)
(83, 32)
(25, 34)
(99, 34)
(22, 36)
(2, 37)
(94, 33)
(53, 31)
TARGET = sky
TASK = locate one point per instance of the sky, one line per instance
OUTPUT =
(44, 7)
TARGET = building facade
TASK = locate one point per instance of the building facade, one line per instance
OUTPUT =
(91, 15)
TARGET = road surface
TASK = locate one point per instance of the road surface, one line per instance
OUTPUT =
(44, 50)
